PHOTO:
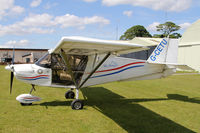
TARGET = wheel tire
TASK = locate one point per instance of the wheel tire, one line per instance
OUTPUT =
(77, 104)
(26, 104)
(69, 94)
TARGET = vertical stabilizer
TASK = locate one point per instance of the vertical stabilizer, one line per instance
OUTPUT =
(165, 52)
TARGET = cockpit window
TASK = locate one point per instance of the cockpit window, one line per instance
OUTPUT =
(45, 61)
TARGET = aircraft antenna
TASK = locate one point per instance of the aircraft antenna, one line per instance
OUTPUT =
(117, 30)
(166, 16)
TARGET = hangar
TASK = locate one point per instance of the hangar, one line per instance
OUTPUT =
(21, 55)
(189, 47)
(149, 42)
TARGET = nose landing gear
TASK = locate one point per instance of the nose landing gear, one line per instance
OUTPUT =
(28, 99)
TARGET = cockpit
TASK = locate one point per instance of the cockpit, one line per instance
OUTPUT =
(60, 72)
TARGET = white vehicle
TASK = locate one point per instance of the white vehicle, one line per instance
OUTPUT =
(78, 62)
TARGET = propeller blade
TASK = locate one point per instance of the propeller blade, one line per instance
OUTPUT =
(12, 74)
(11, 81)
(13, 58)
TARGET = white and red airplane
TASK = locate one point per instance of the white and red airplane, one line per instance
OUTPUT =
(78, 62)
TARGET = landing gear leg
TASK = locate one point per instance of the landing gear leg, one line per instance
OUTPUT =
(77, 104)
(33, 88)
(27, 104)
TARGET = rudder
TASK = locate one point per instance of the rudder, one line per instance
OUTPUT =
(165, 52)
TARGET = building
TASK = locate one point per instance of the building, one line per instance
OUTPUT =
(143, 55)
(21, 55)
(189, 47)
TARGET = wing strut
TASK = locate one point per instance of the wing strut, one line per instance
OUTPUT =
(69, 68)
(94, 70)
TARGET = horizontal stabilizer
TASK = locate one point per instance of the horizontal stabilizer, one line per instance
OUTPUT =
(178, 66)
(184, 67)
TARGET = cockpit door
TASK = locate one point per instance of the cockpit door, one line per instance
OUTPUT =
(60, 72)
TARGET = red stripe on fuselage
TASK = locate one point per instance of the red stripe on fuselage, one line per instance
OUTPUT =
(36, 76)
(119, 67)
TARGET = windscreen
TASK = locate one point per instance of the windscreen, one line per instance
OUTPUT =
(45, 61)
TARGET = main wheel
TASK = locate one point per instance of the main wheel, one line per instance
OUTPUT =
(26, 104)
(69, 94)
(77, 104)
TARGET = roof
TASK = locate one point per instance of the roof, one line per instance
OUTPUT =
(24, 49)
(191, 36)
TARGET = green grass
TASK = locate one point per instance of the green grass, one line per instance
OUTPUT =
(170, 105)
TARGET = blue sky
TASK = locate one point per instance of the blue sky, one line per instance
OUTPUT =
(42, 23)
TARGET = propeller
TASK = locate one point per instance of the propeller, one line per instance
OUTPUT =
(12, 71)
(11, 81)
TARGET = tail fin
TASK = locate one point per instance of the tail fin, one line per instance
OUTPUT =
(165, 52)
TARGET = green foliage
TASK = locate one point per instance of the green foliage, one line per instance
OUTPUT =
(175, 35)
(135, 31)
(157, 36)
(167, 28)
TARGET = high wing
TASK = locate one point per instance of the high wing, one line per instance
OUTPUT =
(88, 46)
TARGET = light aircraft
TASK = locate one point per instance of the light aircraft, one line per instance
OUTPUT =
(78, 62)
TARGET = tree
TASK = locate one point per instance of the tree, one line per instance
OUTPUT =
(135, 31)
(157, 36)
(175, 35)
(167, 28)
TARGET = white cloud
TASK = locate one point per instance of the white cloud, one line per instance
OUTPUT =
(89, 0)
(39, 23)
(152, 27)
(35, 3)
(69, 20)
(166, 5)
(16, 29)
(185, 25)
(16, 10)
(8, 8)
(128, 13)
(50, 5)
(14, 43)
(35, 20)
(45, 24)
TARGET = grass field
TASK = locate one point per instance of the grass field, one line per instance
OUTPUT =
(170, 105)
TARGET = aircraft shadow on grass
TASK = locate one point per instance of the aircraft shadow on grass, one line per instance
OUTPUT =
(183, 98)
(127, 113)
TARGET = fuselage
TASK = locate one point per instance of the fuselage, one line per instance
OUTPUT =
(113, 69)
